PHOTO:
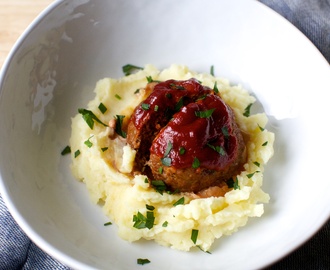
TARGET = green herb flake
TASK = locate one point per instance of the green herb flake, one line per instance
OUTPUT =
(250, 175)
(90, 117)
(168, 95)
(204, 114)
(265, 143)
(218, 149)
(256, 163)
(212, 70)
(130, 69)
(142, 261)
(146, 180)
(119, 123)
(156, 108)
(236, 184)
(160, 170)
(225, 132)
(168, 148)
(194, 235)
(166, 161)
(107, 223)
(104, 149)
(145, 106)
(150, 79)
(150, 219)
(196, 163)
(137, 91)
(247, 110)
(142, 222)
(88, 143)
(201, 97)
(117, 97)
(178, 202)
(102, 108)
(233, 183)
(77, 153)
(150, 207)
(159, 186)
(176, 87)
(165, 223)
(261, 128)
(179, 105)
(182, 150)
(206, 251)
(215, 88)
(66, 150)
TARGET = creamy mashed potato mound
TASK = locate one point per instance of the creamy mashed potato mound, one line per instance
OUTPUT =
(105, 167)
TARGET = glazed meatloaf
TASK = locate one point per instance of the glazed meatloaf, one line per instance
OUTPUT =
(186, 136)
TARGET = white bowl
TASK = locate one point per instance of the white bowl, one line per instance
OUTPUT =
(53, 68)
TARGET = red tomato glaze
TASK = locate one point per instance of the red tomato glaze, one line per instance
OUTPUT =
(200, 129)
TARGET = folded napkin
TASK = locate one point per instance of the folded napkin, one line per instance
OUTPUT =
(312, 17)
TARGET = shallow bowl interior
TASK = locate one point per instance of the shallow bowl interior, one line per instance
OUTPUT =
(52, 71)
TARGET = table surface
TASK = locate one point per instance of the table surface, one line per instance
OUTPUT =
(15, 16)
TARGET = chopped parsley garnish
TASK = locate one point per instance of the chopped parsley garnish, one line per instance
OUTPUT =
(195, 163)
(225, 132)
(142, 261)
(265, 143)
(142, 222)
(166, 161)
(137, 91)
(233, 183)
(204, 114)
(145, 106)
(256, 163)
(194, 235)
(182, 150)
(66, 150)
(150, 79)
(104, 149)
(156, 108)
(159, 186)
(178, 202)
(88, 143)
(251, 174)
(168, 148)
(119, 123)
(168, 95)
(212, 70)
(102, 108)
(90, 117)
(117, 96)
(176, 87)
(215, 88)
(150, 207)
(201, 97)
(218, 149)
(261, 128)
(129, 69)
(206, 251)
(247, 110)
(77, 153)
(160, 170)
(179, 104)
(107, 223)
(165, 224)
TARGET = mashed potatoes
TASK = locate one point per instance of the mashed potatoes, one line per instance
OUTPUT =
(177, 220)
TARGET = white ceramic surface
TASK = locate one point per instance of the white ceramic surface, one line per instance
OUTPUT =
(52, 70)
